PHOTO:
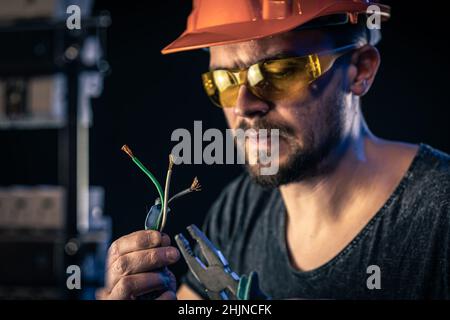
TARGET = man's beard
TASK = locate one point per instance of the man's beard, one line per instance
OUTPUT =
(311, 159)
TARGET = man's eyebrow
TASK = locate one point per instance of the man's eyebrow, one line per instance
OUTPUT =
(279, 55)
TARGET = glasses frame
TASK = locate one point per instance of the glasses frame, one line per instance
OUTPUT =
(241, 75)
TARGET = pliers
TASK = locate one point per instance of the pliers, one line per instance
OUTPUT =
(219, 281)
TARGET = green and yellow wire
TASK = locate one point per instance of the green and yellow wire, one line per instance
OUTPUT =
(164, 197)
(128, 151)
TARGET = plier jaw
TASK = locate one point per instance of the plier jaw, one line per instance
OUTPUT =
(219, 280)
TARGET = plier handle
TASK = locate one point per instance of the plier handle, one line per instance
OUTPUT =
(219, 280)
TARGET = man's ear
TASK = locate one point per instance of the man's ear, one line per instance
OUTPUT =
(363, 69)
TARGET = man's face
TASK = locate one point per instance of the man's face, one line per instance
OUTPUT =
(311, 124)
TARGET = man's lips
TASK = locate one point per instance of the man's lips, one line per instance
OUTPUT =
(258, 138)
(261, 139)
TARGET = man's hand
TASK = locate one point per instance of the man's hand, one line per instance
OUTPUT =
(136, 266)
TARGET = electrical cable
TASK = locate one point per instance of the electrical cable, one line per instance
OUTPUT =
(195, 186)
(164, 199)
(128, 151)
(166, 194)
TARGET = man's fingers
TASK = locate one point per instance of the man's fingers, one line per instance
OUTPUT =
(165, 240)
(173, 281)
(139, 240)
(134, 285)
(168, 295)
(101, 294)
(141, 261)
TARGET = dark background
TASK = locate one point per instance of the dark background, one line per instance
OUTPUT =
(148, 95)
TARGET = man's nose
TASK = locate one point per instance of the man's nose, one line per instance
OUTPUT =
(248, 105)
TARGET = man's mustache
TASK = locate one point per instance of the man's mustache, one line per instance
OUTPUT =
(284, 130)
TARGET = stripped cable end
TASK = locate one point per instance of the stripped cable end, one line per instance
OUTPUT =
(171, 161)
(195, 186)
(127, 150)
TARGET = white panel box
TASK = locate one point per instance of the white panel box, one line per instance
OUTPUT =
(20, 9)
(5, 205)
(32, 208)
(26, 9)
(46, 97)
(48, 209)
(20, 209)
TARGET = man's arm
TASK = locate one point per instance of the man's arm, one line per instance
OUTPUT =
(186, 293)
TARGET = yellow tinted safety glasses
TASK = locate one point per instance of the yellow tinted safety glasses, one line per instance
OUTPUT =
(270, 80)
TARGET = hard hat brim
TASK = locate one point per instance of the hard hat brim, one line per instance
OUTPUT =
(228, 34)
(251, 30)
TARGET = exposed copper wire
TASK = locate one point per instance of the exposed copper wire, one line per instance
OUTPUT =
(127, 150)
(195, 186)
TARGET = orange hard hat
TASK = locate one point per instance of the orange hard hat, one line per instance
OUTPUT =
(218, 22)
